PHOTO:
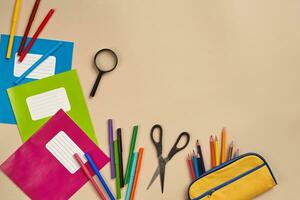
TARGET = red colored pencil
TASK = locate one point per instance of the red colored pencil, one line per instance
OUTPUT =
(36, 34)
(212, 152)
(30, 21)
(137, 172)
(191, 167)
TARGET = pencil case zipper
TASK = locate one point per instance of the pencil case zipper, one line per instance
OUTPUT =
(210, 192)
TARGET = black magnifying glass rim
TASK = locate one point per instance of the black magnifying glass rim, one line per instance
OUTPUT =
(114, 56)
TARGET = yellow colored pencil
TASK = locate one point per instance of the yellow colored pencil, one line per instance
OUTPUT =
(223, 145)
(217, 151)
(13, 28)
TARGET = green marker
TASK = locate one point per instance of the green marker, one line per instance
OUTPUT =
(117, 169)
(130, 156)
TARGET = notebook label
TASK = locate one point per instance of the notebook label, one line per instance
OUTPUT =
(48, 103)
(45, 69)
(63, 148)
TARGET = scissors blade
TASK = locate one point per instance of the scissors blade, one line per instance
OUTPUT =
(155, 175)
(162, 174)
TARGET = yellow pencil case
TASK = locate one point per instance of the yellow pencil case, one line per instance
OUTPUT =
(242, 178)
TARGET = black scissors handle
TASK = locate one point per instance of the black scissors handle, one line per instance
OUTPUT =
(176, 149)
(158, 144)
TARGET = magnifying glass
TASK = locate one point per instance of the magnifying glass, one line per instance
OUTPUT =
(105, 61)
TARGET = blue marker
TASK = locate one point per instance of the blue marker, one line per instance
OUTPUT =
(96, 171)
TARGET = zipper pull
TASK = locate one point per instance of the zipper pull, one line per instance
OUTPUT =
(210, 194)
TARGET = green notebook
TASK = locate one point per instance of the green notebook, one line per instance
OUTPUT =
(35, 102)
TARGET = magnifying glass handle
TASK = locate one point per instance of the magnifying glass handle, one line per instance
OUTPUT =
(96, 85)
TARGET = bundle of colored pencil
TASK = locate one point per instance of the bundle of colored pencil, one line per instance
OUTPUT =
(218, 156)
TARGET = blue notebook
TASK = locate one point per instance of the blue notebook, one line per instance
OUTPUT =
(11, 69)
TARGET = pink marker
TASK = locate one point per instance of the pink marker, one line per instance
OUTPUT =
(87, 173)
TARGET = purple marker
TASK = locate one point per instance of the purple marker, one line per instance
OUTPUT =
(111, 148)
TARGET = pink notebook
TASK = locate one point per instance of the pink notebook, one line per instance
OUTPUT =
(44, 166)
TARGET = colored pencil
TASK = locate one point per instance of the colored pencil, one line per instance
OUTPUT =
(13, 28)
(119, 138)
(195, 165)
(191, 167)
(87, 173)
(230, 151)
(217, 155)
(131, 176)
(117, 169)
(38, 62)
(199, 150)
(212, 152)
(223, 145)
(30, 21)
(130, 155)
(111, 148)
(36, 34)
(237, 153)
(137, 172)
(96, 171)
(199, 164)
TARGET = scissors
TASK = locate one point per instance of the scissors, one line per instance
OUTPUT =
(160, 170)
(100, 69)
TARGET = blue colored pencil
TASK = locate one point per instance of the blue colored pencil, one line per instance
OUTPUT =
(197, 174)
(96, 171)
(131, 178)
(38, 62)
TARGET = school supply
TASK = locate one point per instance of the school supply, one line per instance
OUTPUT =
(120, 148)
(223, 145)
(196, 169)
(102, 70)
(162, 162)
(117, 169)
(30, 21)
(96, 171)
(199, 150)
(87, 173)
(217, 151)
(137, 172)
(13, 29)
(51, 150)
(237, 153)
(38, 62)
(230, 151)
(11, 69)
(132, 172)
(191, 167)
(34, 103)
(212, 151)
(130, 155)
(111, 148)
(250, 173)
(36, 34)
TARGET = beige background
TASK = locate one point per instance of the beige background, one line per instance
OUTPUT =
(194, 65)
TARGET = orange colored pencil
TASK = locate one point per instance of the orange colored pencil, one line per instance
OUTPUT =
(137, 172)
(223, 145)
(212, 151)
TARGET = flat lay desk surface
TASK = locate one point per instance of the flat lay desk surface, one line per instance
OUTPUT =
(191, 66)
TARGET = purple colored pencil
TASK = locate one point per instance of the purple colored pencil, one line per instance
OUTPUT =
(111, 148)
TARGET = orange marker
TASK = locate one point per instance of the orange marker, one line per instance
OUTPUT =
(137, 171)
(223, 146)
(212, 151)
